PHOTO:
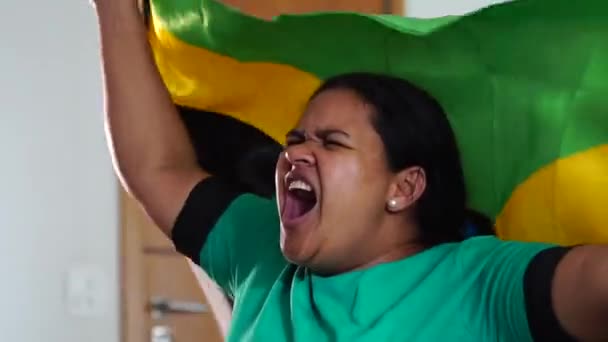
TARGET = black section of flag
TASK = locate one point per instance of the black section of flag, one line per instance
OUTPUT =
(233, 150)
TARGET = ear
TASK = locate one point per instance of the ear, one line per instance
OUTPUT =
(408, 186)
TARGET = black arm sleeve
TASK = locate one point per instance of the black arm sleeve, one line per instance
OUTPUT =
(538, 282)
(203, 207)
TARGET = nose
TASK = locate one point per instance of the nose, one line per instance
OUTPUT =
(299, 154)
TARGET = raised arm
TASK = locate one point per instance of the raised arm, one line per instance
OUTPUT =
(150, 147)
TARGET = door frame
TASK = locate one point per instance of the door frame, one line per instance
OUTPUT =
(133, 299)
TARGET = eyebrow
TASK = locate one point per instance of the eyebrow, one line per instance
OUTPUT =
(322, 133)
(325, 132)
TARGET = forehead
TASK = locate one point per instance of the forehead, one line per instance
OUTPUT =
(337, 108)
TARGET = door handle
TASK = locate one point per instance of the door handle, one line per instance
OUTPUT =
(160, 307)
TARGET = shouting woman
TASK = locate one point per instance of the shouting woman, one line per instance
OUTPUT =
(365, 238)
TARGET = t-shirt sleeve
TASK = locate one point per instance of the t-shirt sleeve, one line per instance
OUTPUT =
(229, 233)
(511, 284)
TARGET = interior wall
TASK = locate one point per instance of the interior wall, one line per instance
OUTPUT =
(436, 8)
(58, 197)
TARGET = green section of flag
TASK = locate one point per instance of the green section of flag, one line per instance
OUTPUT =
(523, 83)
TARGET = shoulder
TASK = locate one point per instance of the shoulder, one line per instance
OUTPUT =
(482, 249)
(494, 261)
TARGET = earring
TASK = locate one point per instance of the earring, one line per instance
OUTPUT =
(392, 204)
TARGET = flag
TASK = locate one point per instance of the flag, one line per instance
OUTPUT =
(524, 85)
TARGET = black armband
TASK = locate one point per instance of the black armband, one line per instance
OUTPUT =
(538, 283)
(204, 206)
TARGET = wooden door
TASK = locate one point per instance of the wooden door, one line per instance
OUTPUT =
(153, 274)
(161, 296)
(269, 8)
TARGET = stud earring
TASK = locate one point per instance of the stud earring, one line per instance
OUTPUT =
(392, 204)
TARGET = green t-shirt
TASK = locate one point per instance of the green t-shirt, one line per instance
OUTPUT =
(468, 291)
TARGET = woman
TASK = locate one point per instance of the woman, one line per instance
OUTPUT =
(367, 243)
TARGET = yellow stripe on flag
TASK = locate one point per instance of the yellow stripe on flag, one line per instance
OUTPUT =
(205, 80)
(565, 202)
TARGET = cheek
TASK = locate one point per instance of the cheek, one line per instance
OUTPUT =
(281, 168)
(359, 177)
(282, 165)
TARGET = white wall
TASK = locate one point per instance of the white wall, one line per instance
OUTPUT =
(437, 8)
(58, 195)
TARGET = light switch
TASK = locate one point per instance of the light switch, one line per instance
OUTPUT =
(86, 291)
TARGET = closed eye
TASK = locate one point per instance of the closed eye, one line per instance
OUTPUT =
(326, 137)
(333, 138)
(332, 143)
(294, 137)
(291, 142)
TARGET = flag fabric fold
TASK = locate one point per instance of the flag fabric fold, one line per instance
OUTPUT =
(524, 85)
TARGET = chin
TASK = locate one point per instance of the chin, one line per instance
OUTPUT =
(295, 252)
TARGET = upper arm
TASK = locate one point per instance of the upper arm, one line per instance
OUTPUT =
(230, 234)
(162, 194)
(580, 292)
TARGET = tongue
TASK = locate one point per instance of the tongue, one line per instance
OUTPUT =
(296, 207)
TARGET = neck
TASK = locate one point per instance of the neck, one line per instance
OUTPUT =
(396, 253)
(394, 240)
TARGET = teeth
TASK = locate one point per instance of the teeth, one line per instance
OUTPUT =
(300, 185)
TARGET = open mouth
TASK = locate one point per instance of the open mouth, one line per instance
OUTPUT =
(300, 199)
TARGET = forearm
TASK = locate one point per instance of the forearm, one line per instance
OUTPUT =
(581, 293)
(144, 129)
